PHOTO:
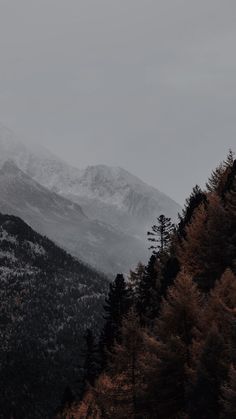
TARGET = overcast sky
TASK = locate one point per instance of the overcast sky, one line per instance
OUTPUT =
(149, 85)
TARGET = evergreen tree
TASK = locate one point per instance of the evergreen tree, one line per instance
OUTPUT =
(116, 307)
(229, 177)
(167, 268)
(134, 282)
(220, 177)
(214, 183)
(149, 297)
(196, 198)
(161, 234)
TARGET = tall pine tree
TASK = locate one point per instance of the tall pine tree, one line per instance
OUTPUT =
(116, 306)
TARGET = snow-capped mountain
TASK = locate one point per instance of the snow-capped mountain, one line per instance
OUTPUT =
(63, 221)
(116, 200)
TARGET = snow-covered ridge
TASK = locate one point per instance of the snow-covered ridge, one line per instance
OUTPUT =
(111, 186)
(100, 213)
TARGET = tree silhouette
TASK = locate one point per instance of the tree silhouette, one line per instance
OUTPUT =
(161, 234)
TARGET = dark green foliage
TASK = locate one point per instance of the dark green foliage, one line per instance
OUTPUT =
(161, 234)
(196, 198)
(116, 306)
(149, 298)
(230, 180)
(169, 269)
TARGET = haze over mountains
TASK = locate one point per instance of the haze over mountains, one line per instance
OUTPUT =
(98, 214)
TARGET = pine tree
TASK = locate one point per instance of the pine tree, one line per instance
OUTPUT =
(228, 400)
(149, 297)
(196, 198)
(168, 267)
(219, 179)
(116, 307)
(214, 183)
(134, 282)
(161, 234)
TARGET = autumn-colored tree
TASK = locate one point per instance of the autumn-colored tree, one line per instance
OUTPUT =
(181, 311)
(172, 330)
(219, 177)
(179, 317)
(166, 386)
(201, 252)
(197, 198)
(221, 309)
(212, 367)
(122, 389)
(132, 361)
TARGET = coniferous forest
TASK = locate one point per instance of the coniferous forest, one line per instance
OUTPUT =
(167, 348)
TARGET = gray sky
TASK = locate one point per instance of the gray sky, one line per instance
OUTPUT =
(149, 85)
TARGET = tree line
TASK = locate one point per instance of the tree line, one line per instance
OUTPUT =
(168, 346)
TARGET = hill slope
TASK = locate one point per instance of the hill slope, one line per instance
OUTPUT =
(94, 242)
(121, 206)
(48, 299)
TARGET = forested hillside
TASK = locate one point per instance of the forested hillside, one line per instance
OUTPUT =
(168, 346)
(47, 301)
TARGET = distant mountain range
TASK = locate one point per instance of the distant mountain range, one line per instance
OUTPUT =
(99, 214)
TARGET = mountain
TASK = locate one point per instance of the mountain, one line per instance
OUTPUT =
(48, 300)
(63, 221)
(122, 199)
(119, 206)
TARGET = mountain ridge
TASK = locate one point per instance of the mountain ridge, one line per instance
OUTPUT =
(120, 206)
(64, 222)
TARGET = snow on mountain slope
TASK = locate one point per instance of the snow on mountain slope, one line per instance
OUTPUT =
(63, 221)
(110, 194)
(115, 195)
(48, 300)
